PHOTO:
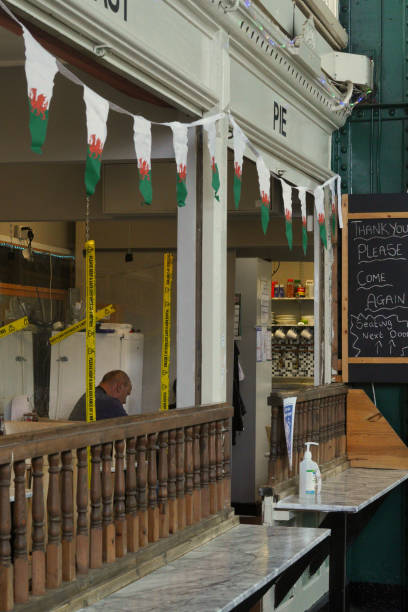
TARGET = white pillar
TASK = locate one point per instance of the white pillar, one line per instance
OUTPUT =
(186, 284)
(214, 248)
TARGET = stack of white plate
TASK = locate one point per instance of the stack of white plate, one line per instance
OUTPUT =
(286, 319)
(309, 319)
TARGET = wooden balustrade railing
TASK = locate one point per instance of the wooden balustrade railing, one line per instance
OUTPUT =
(100, 491)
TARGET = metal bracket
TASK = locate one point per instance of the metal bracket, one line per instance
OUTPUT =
(63, 358)
(20, 358)
(100, 50)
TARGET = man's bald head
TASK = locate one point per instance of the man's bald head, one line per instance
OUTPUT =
(117, 384)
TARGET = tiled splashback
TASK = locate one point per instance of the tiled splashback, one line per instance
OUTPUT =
(290, 357)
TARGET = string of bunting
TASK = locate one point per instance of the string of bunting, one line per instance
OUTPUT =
(41, 68)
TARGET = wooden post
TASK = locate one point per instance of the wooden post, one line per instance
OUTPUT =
(38, 554)
(219, 466)
(82, 541)
(163, 474)
(227, 463)
(20, 535)
(173, 522)
(141, 477)
(188, 469)
(273, 459)
(205, 491)
(212, 470)
(196, 476)
(153, 510)
(54, 551)
(67, 503)
(95, 549)
(119, 499)
(132, 520)
(181, 502)
(6, 568)
(108, 527)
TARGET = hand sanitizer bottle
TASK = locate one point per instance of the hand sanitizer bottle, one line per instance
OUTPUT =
(310, 481)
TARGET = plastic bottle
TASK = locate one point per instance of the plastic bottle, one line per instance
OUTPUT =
(310, 480)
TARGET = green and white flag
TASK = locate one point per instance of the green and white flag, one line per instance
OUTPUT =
(240, 142)
(302, 198)
(142, 136)
(332, 206)
(41, 68)
(287, 204)
(319, 203)
(209, 127)
(180, 152)
(97, 109)
(264, 179)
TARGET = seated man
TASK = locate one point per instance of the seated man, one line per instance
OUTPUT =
(110, 395)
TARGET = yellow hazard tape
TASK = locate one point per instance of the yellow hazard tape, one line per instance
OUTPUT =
(90, 331)
(76, 327)
(165, 356)
(15, 326)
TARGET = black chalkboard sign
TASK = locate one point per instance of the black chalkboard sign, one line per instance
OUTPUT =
(375, 288)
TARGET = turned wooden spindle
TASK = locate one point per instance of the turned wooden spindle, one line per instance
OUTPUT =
(316, 427)
(171, 462)
(212, 469)
(196, 475)
(6, 568)
(119, 499)
(132, 520)
(67, 504)
(20, 558)
(54, 550)
(219, 465)
(95, 541)
(38, 534)
(82, 540)
(163, 475)
(181, 502)
(153, 510)
(188, 469)
(108, 526)
(141, 477)
(205, 491)
(273, 459)
(227, 463)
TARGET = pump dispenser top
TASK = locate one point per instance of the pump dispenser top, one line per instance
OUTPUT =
(308, 454)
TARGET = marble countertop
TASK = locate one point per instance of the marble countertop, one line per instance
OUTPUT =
(219, 575)
(349, 491)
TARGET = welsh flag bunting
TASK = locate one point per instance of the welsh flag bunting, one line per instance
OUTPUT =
(240, 141)
(333, 207)
(211, 134)
(302, 198)
(180, 152)
(97, 110)
(264, 179)
(319, 203)
(142, 135)
(339, 211)
(41, 68)
(287, 203)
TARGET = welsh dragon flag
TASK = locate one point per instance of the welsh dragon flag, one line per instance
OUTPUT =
(180, 151)
(333, 207)
(287, 204)
(142, 135)
(264, 179)
(97, 109)
(319, 203)
(211, 134)
(41, 68)
(302, 198)
(240, 141)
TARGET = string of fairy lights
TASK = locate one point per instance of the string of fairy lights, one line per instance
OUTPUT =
(358, 95)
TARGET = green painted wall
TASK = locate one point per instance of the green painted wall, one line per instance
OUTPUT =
(371, 155)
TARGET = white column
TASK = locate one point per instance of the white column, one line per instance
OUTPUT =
(186, 284)
(214, 248)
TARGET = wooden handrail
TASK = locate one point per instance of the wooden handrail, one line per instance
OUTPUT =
(81, 434)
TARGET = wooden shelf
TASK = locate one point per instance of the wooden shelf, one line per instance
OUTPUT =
(295, 299)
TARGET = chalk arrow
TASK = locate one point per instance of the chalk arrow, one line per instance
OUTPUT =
(392, 344)
(378, 345)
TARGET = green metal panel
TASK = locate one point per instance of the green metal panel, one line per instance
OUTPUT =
(371, 155)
